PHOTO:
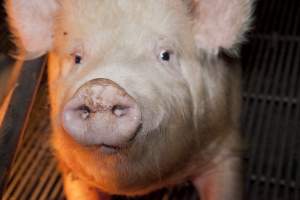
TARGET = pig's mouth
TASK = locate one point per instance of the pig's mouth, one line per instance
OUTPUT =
(115, 148)
(108, 149)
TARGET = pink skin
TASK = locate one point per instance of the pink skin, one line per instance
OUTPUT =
(188, 104)
(100, 97)
(217, 183)
(220, 181)
(75, 188)
(100, 107)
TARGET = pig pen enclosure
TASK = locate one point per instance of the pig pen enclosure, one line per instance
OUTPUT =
(270, 117)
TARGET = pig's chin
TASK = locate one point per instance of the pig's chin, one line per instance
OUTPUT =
(145, 165)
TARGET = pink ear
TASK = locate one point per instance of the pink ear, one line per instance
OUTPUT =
(220, 23)
(31, 22)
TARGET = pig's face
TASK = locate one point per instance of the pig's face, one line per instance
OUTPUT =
(132, 96)
(136, 66)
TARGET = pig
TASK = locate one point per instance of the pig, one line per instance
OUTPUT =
(143, 94)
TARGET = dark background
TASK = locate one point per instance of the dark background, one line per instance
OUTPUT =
(270, 117)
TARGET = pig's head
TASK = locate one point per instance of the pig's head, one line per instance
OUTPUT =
(132, 83)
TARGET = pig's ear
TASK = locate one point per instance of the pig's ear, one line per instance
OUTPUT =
(31, 23)
(220, 24)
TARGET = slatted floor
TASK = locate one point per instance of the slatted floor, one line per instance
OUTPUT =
(270, 119)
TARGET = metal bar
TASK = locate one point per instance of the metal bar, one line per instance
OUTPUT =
(37, 164)
(52, 184)
(20, 169)
(292, 144)
(286, 132)
(269, 37)
(267, 97)
(256, 86)
(296, 29)
(22, 163)
(46, 179)
(16, 117)
(256, 162)
(278, 143)
(290, 19)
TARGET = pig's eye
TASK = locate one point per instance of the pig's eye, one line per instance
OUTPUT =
(165, 56)
(77, 59)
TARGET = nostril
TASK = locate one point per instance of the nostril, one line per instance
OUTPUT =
(120, 110)
(84, 112)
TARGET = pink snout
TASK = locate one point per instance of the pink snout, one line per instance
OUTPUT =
(102, 114)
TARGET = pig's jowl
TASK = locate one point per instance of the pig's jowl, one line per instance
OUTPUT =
(141, 97)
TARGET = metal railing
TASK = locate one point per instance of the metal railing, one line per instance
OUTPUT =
(15, 119)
